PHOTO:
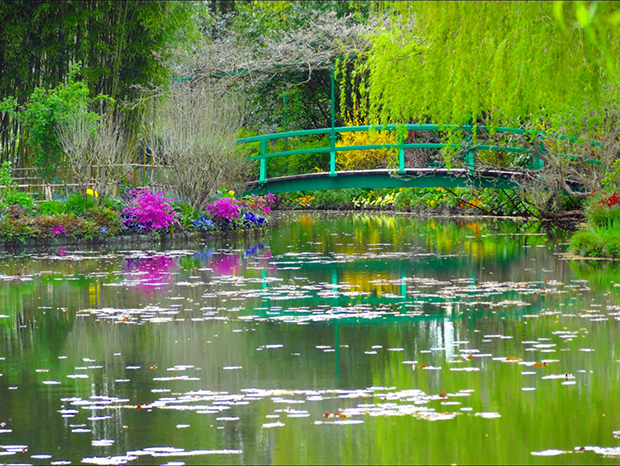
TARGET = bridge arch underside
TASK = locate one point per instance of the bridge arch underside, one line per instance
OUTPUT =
(384, 178)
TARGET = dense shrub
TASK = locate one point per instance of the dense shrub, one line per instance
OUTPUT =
(47, 226)
(78, 204)
(54, 207)
(366, 158)
(147, 211)
(22, 199)
(229, 213)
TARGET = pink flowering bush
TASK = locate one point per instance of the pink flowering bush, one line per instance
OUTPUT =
(260, 204)
(229, 213)
(147, 211)
(225, 208)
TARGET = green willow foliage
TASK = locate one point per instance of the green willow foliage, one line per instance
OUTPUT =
(501, 63)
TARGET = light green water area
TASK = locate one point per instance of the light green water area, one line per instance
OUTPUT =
(333, 339)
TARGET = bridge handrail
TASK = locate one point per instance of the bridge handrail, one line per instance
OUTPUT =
(391, 127)
(401, 145)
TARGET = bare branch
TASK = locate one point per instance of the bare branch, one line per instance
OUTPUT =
(195, 138)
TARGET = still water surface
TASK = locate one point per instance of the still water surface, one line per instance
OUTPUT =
(334, 339)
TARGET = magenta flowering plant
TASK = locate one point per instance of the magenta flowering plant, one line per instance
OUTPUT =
(148, 211)
(58, 230)
(229, 213)
(225, 209)
(260, 204)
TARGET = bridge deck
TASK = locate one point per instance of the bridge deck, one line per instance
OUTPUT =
(389, 178)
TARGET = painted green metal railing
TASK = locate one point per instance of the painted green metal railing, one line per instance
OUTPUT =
(467, 146)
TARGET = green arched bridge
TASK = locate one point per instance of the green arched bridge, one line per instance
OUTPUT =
(428, 174)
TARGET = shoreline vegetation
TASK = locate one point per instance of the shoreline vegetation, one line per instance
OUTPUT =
(141, 215)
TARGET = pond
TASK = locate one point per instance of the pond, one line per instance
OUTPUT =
(335, 339)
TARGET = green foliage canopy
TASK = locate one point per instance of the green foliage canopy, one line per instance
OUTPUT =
(501, 63)
(120, 43)
(44, 110)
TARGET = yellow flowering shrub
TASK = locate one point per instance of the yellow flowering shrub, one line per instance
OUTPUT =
(365, 159)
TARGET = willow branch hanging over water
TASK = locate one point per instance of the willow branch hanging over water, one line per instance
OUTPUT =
(504, 63)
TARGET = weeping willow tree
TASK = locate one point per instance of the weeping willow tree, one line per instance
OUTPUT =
(499, 62)
(549, 66)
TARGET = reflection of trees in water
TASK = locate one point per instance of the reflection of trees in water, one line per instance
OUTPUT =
(482, 239)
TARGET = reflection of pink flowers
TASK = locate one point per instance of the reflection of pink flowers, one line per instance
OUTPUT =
(229, 264)
(154, 272)
(226, 264)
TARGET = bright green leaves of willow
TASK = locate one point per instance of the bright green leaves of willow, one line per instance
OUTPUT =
(501, 63)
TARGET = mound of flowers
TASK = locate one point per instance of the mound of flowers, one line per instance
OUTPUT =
(139, 212)
(146, 211)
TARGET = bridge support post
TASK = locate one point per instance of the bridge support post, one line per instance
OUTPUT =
(332, 154)
(401, 154)
(263, 162)
(332, 134)
(537, 163)
(469, 155)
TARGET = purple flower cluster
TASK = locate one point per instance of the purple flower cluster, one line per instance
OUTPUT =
(58, 230)
(225, 208)
(147, 210)
(261, 204)
(229, 213)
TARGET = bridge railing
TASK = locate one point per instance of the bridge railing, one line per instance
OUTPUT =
(466, 146)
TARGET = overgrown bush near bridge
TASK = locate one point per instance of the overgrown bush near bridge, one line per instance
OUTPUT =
(365, 159)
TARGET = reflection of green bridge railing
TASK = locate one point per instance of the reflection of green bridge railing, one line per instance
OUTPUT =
(401, 175)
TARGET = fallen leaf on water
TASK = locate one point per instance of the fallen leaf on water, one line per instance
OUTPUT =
(153, 367)
(470, 357)
(443, 394)
(139, 407)
(126, 319)
(421, 366)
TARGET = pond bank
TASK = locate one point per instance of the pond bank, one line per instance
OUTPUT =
(129, 240)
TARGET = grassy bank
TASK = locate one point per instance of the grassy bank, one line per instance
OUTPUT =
(600, 235)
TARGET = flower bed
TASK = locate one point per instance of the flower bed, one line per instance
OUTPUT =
(139, 212)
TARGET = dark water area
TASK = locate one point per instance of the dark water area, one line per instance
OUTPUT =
(335, 339)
